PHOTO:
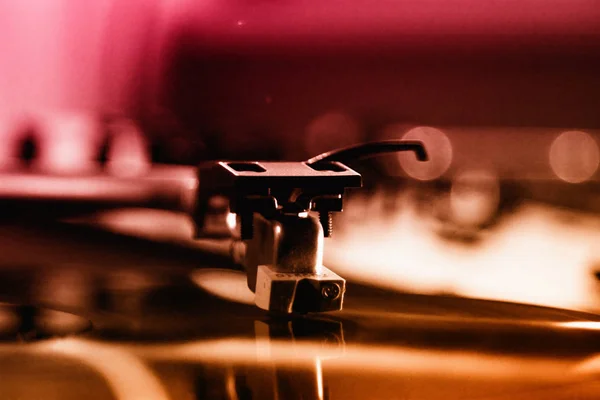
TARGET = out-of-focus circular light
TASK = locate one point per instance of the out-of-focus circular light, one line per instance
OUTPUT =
(438, 148)
(574, 156)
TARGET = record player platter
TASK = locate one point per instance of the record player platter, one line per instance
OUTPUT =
(164, 327)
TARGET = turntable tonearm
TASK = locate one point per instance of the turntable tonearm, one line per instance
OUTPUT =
(281, 243)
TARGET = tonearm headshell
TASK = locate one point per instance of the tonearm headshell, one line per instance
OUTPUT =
(282, 240)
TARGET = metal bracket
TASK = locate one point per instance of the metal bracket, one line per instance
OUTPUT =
(283, 242)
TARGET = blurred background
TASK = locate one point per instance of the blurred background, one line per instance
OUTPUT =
(109, 103)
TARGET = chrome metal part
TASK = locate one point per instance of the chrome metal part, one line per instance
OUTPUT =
(301, 293)
(284, 262)
(282, 241)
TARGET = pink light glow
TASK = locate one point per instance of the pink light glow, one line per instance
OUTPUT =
(574, 156)
(128, 154)
(8, 158)
(69, 143)
(440, 154)
(401, 20)
(64, 55)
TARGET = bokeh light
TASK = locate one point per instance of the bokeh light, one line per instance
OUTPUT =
(438, 148)
(574, 156)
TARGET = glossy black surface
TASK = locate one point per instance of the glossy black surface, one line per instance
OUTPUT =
(141, 301)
